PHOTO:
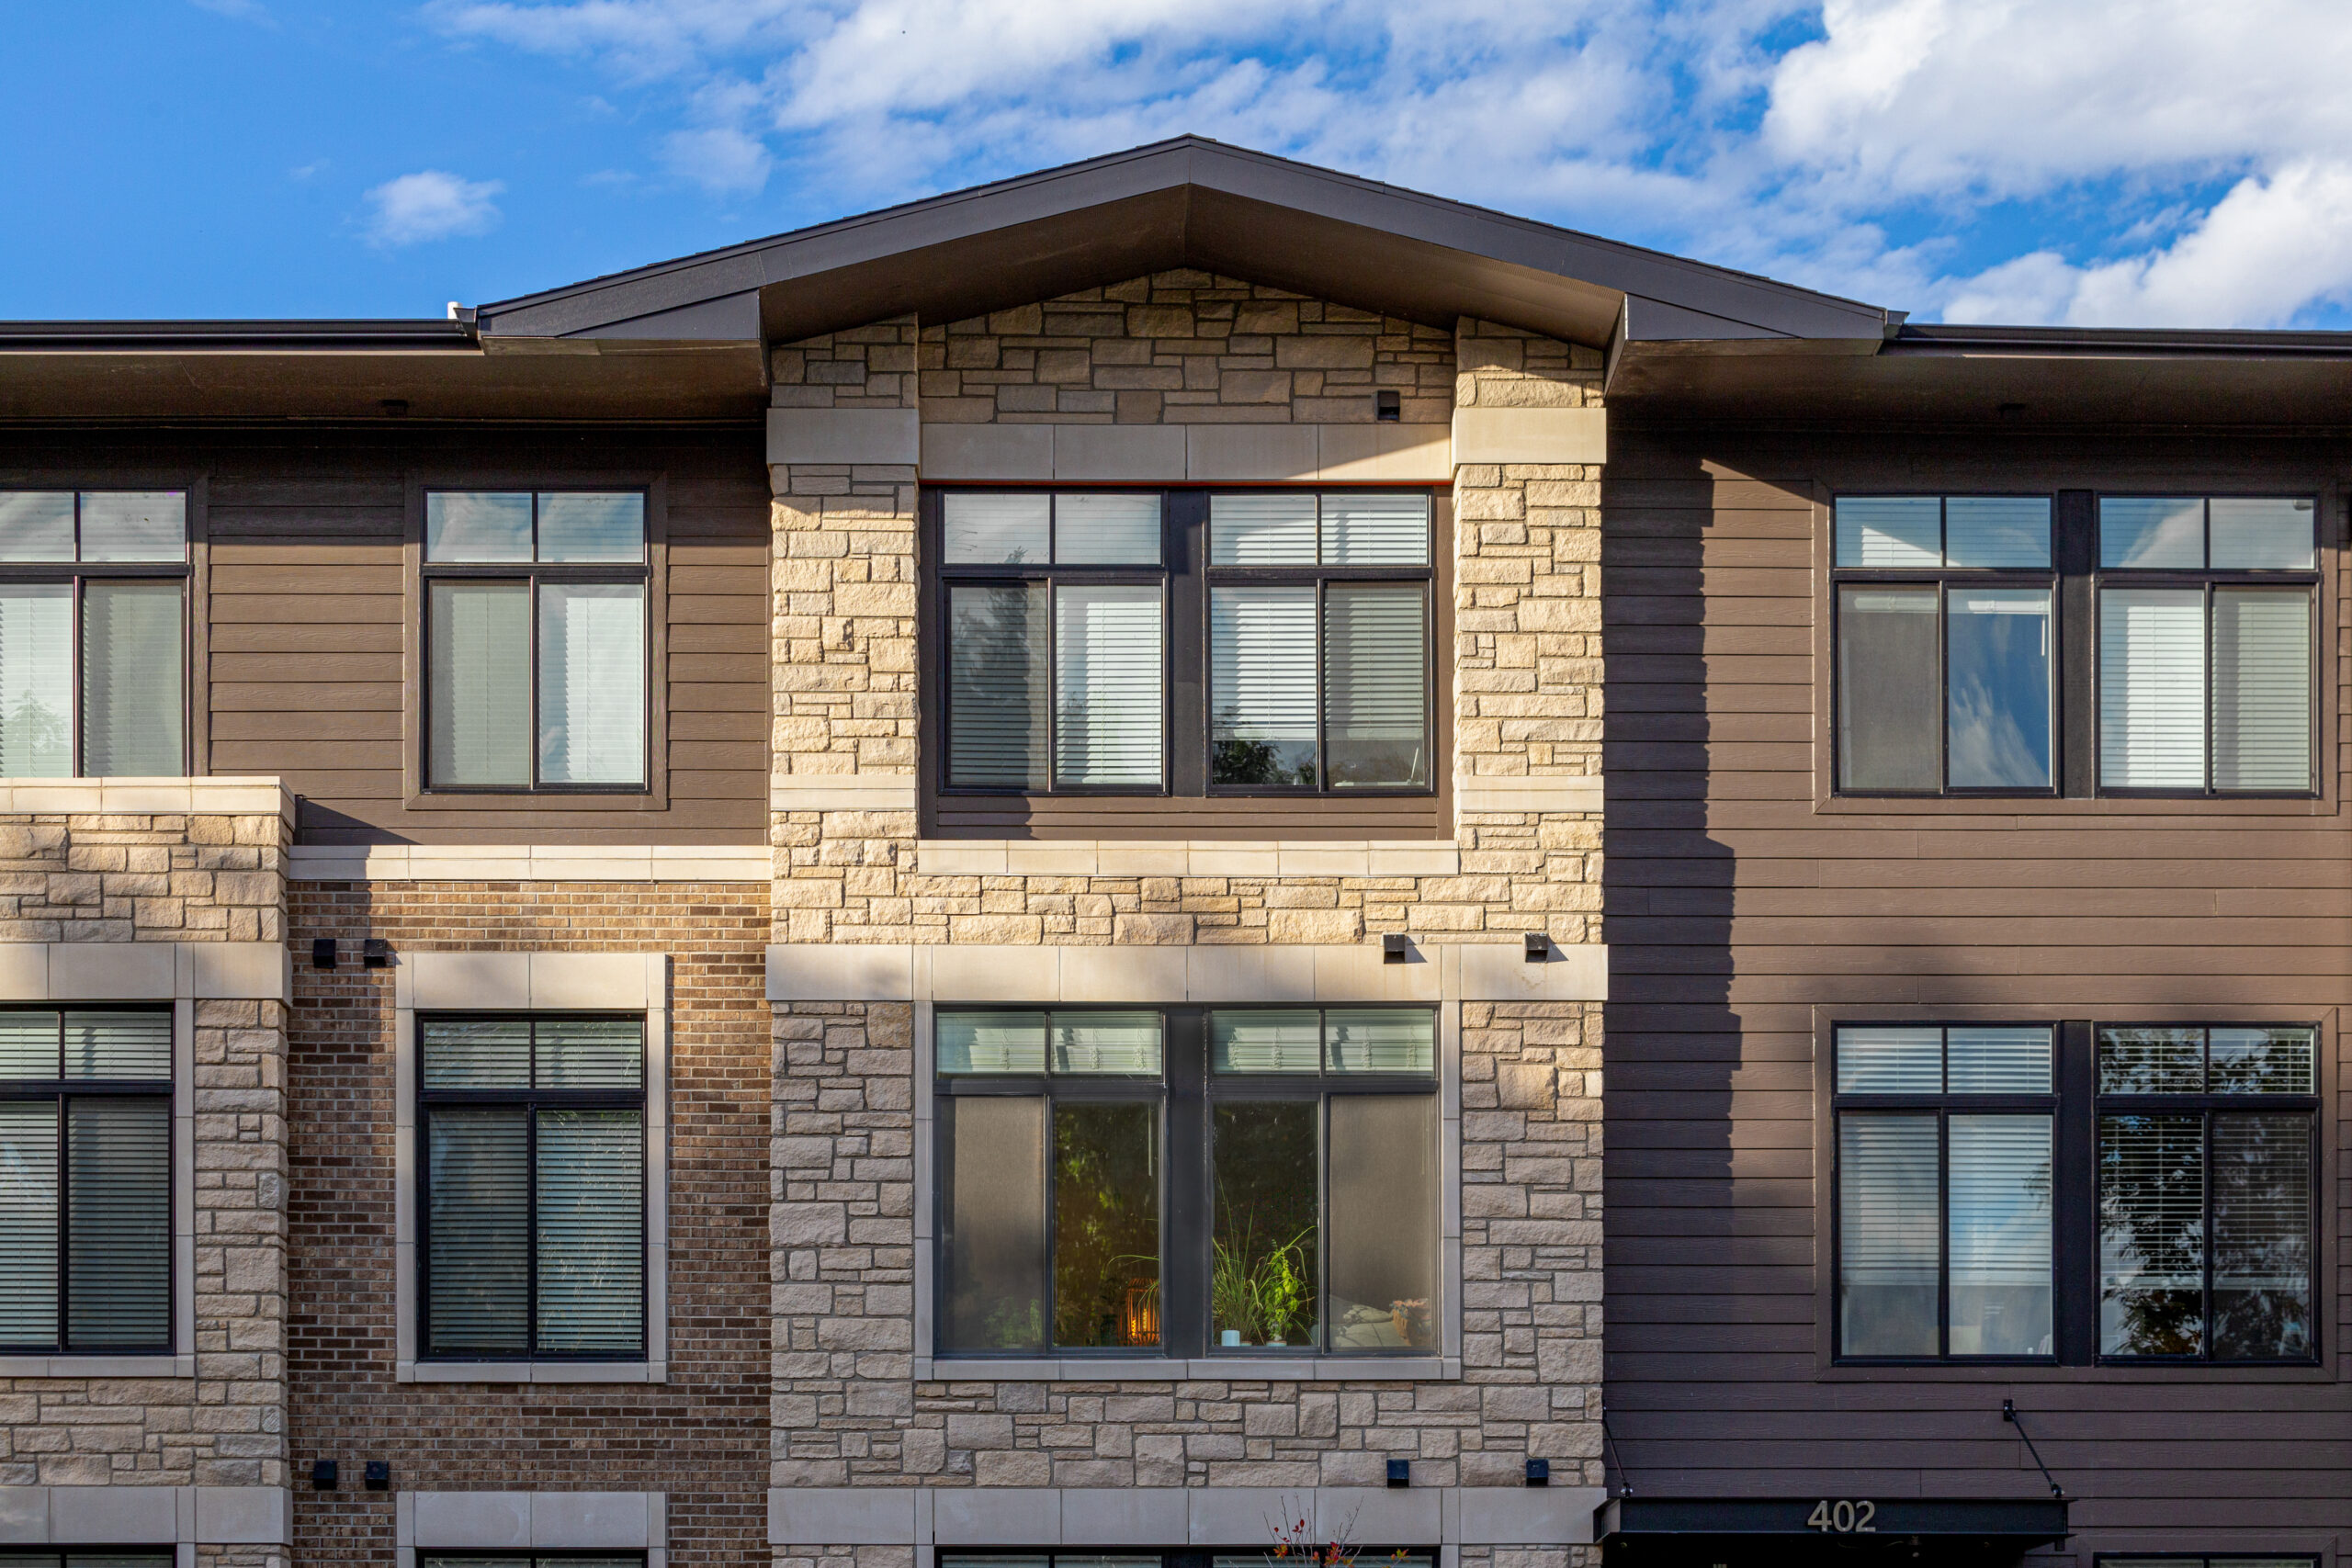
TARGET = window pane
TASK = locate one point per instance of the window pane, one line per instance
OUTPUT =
(1384, 1221)
(578, 525)
(2000, 1204)
(1375, 530)
(2148, 531)
(1261, 530)
(36, 525)
(2151, 688)
(1107, 683)
(1261, 686)
(1899, 530)
(477, 525)
(1887, 681)
(2262, 688)
(995, 730)
(1997, 669)
(2278, 533)
(2261, 1061)
(1998, 1061)
(1375, 675)
(480, 652)
(131, 663)
(132, 1045)
(1874, 1060)
(991, 1041)
(1265, 1253)
(476, 1052)
(2151, 1235)
(119, 1231)
(1266, 1042)
(1106, 1224)
(994, 1223)
(28, 1222)
(1105, 1043)
(1012, 530)
(1106, 530)
(28, 1046)
(1387, 1040)
(477, 1229)
(590, 1052)
(2150, 1061)
(2262, 1237)
(1996, 530)
(36, 679)
(592, 1232)
(134, 525)
(1887, 1248)
(591, 683)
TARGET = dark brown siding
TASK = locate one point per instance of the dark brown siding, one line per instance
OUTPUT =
(1745, 911)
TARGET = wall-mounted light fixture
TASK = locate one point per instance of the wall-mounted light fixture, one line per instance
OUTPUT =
(322, 952)
(323, 1475)
(1394, 947)
(1400, 1472)
(1539, 947)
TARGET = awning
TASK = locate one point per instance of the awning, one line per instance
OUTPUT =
(1760, 1532)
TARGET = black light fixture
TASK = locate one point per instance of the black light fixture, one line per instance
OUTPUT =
(1394, 947)
(1539, 1473)
(323, 1475)
(1400, 1472)
(380, 1475)
(322, 952)
(1387, 405)
(377, 954)
(1539, 947)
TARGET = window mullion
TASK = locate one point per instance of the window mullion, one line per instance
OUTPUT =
(531, 1223)
(63, 1338)
(1943, 1232)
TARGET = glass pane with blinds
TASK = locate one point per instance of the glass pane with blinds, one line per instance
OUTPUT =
(1996, 530)
(476, 1052)
(2262, 688)
(1998, 674)
(1890, 531)
(1105, 1043)
(2151, 1235)
(28, 1046)
(1106, 530)
(2150, 1061)
(36, 525)
(2151, 688)
(1267, 1042)
(591, 1232)
(1362, 529)
(997, 530)
(1375, 684)
(1888, 1252)
(132, 711)
(1261, 686)
(1997, 1061)
(993, 1222)
(120, 1046)
(2262, 1237)
(1262, 530)
(1888, 695)
(990, 1041)
(478, 1237)
(1383, 1225)
(1380, 1040)
(2263, 533)
(36, 679)
(118, 1559)
(118, 1222)
(478, 657)
(1107, 685)
(1106, 1224)
(1872, 1059)
(590, 1052)
(591, 683)
(123, 526)
(580, 526)
(1265, 1252)
(2152, 531)
(2261, 1061)
(1998, 1209)
(29, 1196)
(477, 525)
(997, 684)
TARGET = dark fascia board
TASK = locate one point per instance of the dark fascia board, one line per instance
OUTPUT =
(2023, 1520)
(265, 337)
(1170, 205)
(2162, 343)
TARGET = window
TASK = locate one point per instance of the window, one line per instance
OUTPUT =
(2151, 1559)
(533, 1187)
(1253, 1557)
(521, 1560)
(535, 639)
(1187, 1181)
(85, 1204)
(92, 649)
(91, 1557)
(2206, 1193)
(1944, 1189)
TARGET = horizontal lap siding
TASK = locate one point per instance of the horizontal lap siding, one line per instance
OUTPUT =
(1736, 907)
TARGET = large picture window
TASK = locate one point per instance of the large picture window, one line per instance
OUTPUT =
(1187, 1181)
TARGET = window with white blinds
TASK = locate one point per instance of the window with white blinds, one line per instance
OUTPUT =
(85, 1205)
(537, 663)
(533, 1187)
(93, 594)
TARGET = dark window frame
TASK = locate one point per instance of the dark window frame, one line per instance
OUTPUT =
(1375, 1556)
(2243, 1559)
(427, 1557)
(531, 1098)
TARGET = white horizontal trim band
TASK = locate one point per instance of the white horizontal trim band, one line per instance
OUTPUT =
(625, 981)
(1187, 857)
(520, 1521)
(1197, 454)
(841, 792)
(163, 796)
(145, 1516)
(1580, 792)
(1531, 435)
(531, 862)
(144, 971)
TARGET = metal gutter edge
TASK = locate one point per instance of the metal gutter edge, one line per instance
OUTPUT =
(238, 337)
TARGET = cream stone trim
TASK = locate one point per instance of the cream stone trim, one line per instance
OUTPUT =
(1183, 857)
(532, 982)
(1200, 453)
(526, 1521)
(145, 1516)
(144, 971)
(1525, 793)
(164, 795)
(875, 437)
(841, 792)
(531, 862)
(1531, 435)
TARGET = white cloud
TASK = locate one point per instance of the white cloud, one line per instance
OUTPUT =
(722, 159)
(431, 204)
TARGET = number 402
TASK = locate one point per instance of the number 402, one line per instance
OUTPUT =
(1843, 1518)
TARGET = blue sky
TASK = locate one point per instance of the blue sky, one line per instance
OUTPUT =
(2098, 162)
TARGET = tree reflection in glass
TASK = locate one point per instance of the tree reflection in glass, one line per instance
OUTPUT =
(1106, 1224)
(1265, 1252)
(2262, 1225)
(2151, 1235)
